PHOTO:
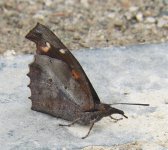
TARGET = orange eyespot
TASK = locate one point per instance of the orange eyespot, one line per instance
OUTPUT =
(75, 74)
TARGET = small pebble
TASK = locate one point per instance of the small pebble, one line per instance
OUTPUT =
(162, 22)
(48, 2)
(139, 17)
(38, 16)
(133, 9)
(150, 20)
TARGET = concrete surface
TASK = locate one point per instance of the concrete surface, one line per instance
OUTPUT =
(119, 74)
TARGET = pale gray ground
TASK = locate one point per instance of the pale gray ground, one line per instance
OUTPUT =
(141, 72)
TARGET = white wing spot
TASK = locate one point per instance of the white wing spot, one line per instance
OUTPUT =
(46, 48)
(48, 45)
(62, 51)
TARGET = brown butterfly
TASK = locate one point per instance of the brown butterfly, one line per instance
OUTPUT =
(59, 85)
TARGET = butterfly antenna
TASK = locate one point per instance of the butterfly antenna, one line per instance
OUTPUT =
(130, 104)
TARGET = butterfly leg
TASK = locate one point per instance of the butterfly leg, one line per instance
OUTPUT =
(89, 130)
(115, 118)
(70, 123)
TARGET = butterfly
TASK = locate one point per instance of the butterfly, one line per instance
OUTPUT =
(59, 86)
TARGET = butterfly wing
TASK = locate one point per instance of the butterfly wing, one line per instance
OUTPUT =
(77, 82)
(53, 91)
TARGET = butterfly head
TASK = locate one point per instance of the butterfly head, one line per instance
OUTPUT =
(107, 110)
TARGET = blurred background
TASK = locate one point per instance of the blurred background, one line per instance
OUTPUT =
(84, 23)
